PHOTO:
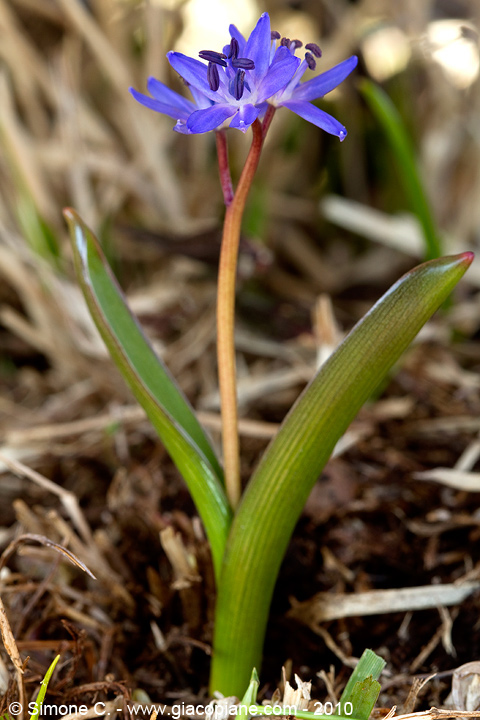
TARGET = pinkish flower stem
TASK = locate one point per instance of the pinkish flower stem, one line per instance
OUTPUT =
(226, 309)
(224, 167)
(268, 119)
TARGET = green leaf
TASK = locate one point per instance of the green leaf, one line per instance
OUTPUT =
(364, 697)
(362, 690)
(279, 488)
(392, 124)
(357, 701)
(43, 689)
(303, 714)
(152, 385)
(249, 698)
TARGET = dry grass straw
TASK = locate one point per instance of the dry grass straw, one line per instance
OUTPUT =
(332, 606)
(13, 653)
(32, 537)
(64, 141)
(85, 547)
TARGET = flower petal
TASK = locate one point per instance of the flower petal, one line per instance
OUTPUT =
(204, 120)
(258, 47)
(181, 127)
(263, 107)
(246, 115)
(277, 77)
(168, 97)
(193, 71)
(316, 116)
(170, 110)
(201, 101)
(327, 81)
(281, 53)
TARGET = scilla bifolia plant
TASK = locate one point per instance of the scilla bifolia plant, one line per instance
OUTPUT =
(242, 87)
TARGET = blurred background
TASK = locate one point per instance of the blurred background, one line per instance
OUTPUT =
(328, 228)
(323, 216)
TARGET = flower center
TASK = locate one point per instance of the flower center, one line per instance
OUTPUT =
(230, 60)
(237, 83)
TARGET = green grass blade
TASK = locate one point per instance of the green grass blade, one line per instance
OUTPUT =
(249, 698)
(389, 118)
(279, 488)
(152, 385)
(362, 689)
(358, 699)
(302, 714)
(43, 689)
(364, 697)
(369, 665)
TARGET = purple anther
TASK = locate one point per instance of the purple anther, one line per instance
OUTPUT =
(213, 57)
(297, 43)
(213, 77)
(313, 47)
(234, 48)
(243, 64)
(274, 35)
(237, 84)
(285, 42)
(310, 60)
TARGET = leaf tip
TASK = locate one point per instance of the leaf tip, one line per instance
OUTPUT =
(69, 214)
(467, 258)
(78, 231)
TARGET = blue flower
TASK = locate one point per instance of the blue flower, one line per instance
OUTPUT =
(168, 102)
(238, 84)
